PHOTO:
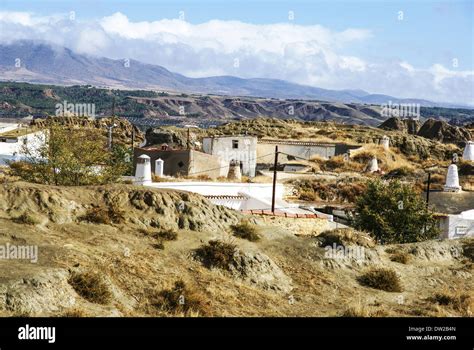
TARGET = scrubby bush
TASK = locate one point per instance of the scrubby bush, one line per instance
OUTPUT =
(26, 219)
(216, 254)
(383, 279)
(90, 286)
(460, 302)
(400, 257)
(160, 245)
(181, 300)
(166, 235)
(107, 215)
(246, 230)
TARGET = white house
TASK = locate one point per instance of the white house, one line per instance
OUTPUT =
(457, 226)
(455, 213)
(13, 141)
(240, 149)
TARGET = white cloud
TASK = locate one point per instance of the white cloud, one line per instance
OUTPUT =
(311, 54)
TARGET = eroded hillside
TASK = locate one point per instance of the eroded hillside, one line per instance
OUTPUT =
(127, 251)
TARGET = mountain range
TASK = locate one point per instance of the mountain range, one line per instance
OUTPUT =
(27, 61)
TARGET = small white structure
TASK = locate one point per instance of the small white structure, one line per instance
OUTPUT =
(373, 165)
(12, 147)
(159, 166)
(468, 153)
(457, 226)
(452, 179)
(143, 170)
(385, 142)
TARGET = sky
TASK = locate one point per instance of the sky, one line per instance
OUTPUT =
(405, 48)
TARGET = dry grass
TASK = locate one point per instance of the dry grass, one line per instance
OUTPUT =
(91, 286)
(246, 230)
(166, 235)
(381, 278)
(462, 303)
(107, 215)
(76, 312)
(363, 311)
(345, 236)
(180, 300)
(388, 160)
(344, 190)
(401, 257)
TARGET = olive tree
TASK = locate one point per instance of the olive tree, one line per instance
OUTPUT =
(394, 213)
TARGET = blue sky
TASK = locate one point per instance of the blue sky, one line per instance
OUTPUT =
(434, 37)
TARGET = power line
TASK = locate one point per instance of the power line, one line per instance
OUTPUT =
(226, 166)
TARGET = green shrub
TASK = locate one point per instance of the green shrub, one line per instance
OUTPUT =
(393, 213)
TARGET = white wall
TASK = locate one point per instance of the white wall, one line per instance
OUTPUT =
(223, 188)
(13, 150)
(455, 226)
(222, 147)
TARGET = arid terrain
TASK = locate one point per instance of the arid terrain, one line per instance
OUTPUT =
(119, 250)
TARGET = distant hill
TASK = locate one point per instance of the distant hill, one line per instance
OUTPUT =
(46, 64)
(159, 108)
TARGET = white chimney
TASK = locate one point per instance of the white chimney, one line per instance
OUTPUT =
(373, 165)
(159, 166)
(452, 179)
(143, 170)
(468, 153)
(385, 142)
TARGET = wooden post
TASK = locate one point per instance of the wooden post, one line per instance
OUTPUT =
(274, 179)
(133, 137)
(188, 142)
(428, 189)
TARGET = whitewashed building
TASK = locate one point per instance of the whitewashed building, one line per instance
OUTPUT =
(240, 149)
(454, 212)
(13, 141)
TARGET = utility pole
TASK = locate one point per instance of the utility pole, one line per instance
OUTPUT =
(188, 142)
(113, 110)
(428, 189)
(274, 179)
(133, 137)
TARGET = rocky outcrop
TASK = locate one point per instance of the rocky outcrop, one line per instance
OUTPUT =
(409, 126)
(45, 292)
(175, 138)
(142, 207)
(441, 131)
(258, 269)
